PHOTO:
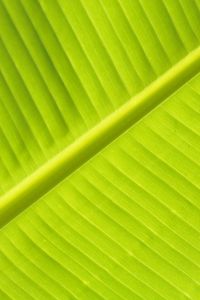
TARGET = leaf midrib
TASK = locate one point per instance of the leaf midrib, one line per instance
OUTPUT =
(84, 148)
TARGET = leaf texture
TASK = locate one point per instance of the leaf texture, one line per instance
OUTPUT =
(124, 221)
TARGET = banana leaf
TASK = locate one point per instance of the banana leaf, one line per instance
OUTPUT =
(100, 149)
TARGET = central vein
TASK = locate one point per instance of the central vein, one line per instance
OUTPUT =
(84, 148)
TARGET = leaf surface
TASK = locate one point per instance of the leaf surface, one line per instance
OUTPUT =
(99, 144)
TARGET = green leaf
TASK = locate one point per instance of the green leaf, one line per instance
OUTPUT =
(100, 149)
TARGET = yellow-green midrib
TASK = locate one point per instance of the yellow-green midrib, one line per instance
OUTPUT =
(73, 157)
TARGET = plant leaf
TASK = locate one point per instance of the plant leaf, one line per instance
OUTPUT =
(113, 203)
